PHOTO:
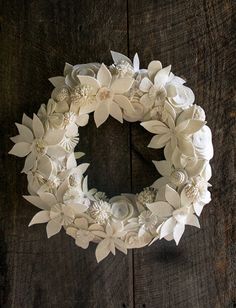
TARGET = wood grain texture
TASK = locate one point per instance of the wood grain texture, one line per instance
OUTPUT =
(38, 37)
(196, 37)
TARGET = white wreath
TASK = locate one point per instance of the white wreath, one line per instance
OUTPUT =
(57, 186)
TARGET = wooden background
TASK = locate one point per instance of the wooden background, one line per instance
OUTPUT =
(197, 38)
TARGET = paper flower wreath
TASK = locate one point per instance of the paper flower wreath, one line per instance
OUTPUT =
(58, 187)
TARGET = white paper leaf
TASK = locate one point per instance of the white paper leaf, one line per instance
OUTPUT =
(160, 208)
(161, 182)
(172, 197)
(178, 232)
(192, 220)
(48, 198)
(124, 103)
(25, 133)
(58, 81)
(164, 167)
(162, 76)
(153, 68)
(40, 218)
(159, 141)
(145, 84)
(54, 137)
(115, 112)
(102, 250)
(119, 57)
(90, 81)
(136, 62)
(82, 120)
(27, 121)
(36, 201)
(101, 114)
(37, 127)
(122, 85)
(104, 76)
(29, 163)
(53, 228)
(155, 127)
(167, 227)
(20, 149)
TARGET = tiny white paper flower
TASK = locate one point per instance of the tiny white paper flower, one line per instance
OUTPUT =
(82, 232)
(111, 240)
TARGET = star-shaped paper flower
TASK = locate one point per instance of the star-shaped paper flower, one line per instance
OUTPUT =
(56, 211)
(34, 142)
(109, 96)
(111, 240)
(171, 135)
(174, 214)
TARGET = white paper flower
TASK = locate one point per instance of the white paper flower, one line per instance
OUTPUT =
(202, 141)
(121, 208)
(124, 66)
(35, 143)
(196, 193)
(109, 95)
(49, 117)
(82, 232)
(54, 211)
(111, 240)
(100, 211)
(173, 213)
(133, 240)
(72, 73)
(172, 136)
(147, 221)
(178, 172)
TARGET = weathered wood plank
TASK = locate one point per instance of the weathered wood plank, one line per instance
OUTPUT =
(37, 37)
(195, 37)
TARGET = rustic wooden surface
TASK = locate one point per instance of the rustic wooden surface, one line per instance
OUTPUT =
(197, 38)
